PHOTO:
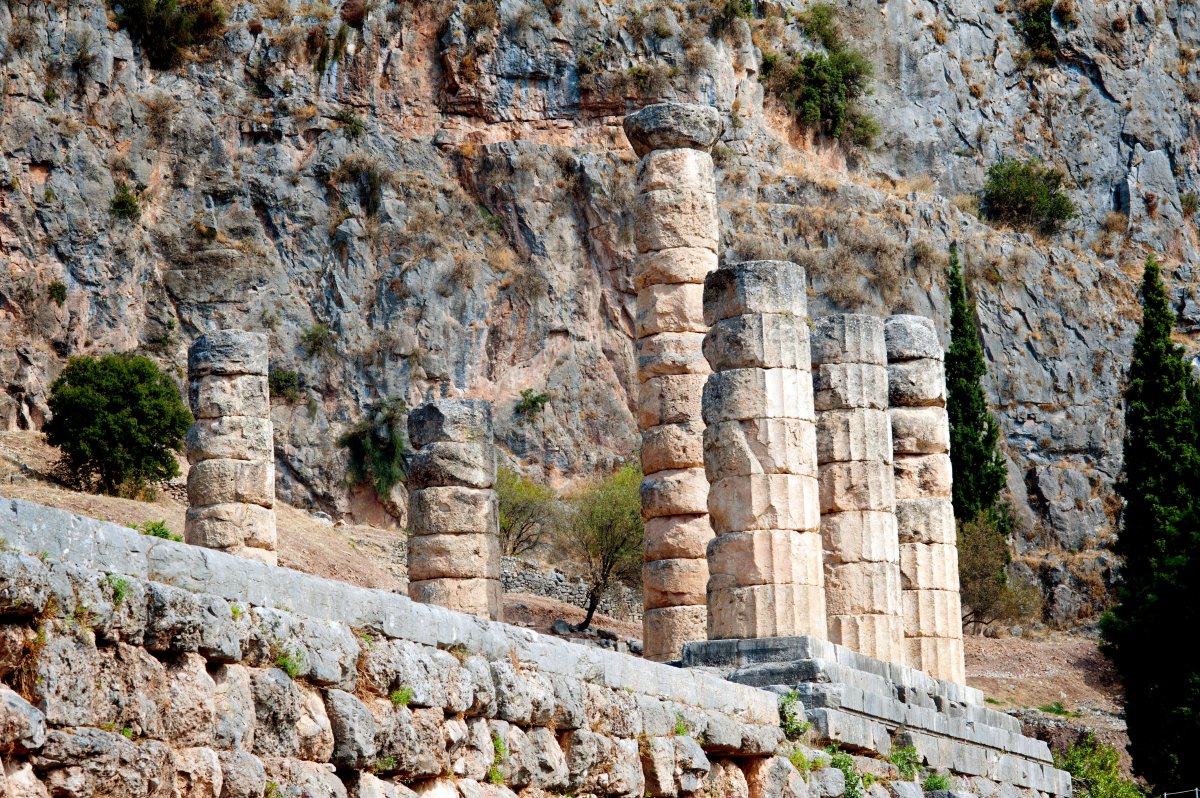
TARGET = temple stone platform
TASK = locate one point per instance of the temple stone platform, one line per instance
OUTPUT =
(869, 706)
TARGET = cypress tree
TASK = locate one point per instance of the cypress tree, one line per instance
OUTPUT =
(979, 471)
(1158, 541)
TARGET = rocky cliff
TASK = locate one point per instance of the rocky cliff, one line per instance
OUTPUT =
(429, 199)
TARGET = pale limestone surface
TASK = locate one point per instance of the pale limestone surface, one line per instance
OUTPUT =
(231, 484)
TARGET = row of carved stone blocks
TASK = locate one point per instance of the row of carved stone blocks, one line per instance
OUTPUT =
(858, 492)
(676, 234)
(454, 550)
(231, 483)
(760, 455)
(925, 513)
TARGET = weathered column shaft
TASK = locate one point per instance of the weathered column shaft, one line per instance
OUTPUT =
(858, 494)
(924, 509)
(231, 483)
(454, 546)
(765, 572)
(675, 217)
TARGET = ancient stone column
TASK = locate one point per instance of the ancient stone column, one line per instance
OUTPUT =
(858, 494)
(454, 545)
(675, 217)
(231, 484)
(765, 563)
(924, 510)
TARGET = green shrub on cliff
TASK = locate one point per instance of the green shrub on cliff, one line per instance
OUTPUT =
(1095, 770)
(1027, 196)
(166, 30)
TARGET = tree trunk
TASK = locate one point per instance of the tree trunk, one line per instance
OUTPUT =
(594, 597)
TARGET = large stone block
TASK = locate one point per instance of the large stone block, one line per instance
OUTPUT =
(672, 446)
(860, 536)
(669, 354)
(223, 526)
(764, 557)
(672, 125)
(680, 491)
(932, 613)
(674, 582)
(220, 481)
(854, 434)
(453, 510)
(670, 218)
(760, 446)
(228, 352)
(863, 588)
(922, 476)
(838, 386)
(675, 265)
(920, 430)
(764, 501)
(879, 636)
(450, 420)
(672, 536)
(756, 287)
(849, 338)
(911, 338)
(857, 485)
(929, 566)
(676, 168)
(762, 340)
(481, 597)
(917, 383)
(456, 556)
(766, 611)
(670, 308)
(925, 521)
(940, 657)
(670, 400)
(230, 437)
(666, 629)
(444, 464)
(743, 394)
(241, 395)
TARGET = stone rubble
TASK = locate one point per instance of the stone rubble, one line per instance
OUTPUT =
(231, 483)
(765, 577)
(676, 235)
(857, 488)
(924, 510)
(454, 546)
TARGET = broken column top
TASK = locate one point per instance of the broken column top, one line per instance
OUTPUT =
(456, 420)
(849, 338)
(668, 126)
(911, 338)
(228, 352)
(755, 286)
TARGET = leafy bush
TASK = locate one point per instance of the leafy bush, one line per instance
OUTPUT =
(790, 713)
(531, 402)
(125, 204)
(57, 291)
(284, 384)
(157, 529)
(317, 341)
(117, 421)
(820, 24)
(936, 781)
(377, 449)
(528, 512)
(167, 29)
(1036, 26)
(1095, 769)
(1028, 196)
(988, 594)
(845, 762)
(906, 759)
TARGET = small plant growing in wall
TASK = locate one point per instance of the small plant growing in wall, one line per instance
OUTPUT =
(157, 529)
(845, 762)
(936, 781)
(290, 662)
(906, 759)
(681, 727)
(401, 697)
(791, 714)
(119, 586)
(495, 774)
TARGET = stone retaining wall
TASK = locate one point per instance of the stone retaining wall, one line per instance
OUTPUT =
(622, 603)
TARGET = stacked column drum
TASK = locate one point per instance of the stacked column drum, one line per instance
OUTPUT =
(924, 509)
(231, 483)
(765, 574)
(857, 487)
(454, 546)
(675, 217)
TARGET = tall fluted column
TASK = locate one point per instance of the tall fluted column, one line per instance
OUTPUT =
(675, 217)
(924, 509)
(765, 563)
(858, 494)
(454, 546)
(231, 484)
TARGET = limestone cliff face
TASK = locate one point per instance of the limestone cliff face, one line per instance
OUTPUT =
(450, 199)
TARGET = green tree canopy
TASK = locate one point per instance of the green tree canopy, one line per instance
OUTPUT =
(1158, 541)
(117, 420)
(529, 511)
(606, 535)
